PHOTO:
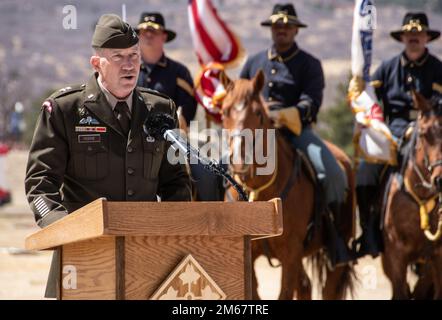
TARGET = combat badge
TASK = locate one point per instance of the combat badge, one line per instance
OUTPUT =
(89, 121)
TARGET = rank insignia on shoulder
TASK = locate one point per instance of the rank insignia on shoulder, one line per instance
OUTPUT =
(89, 120)
(65, 89)
(47, 105)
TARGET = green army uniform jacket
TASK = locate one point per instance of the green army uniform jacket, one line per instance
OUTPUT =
(79, 154)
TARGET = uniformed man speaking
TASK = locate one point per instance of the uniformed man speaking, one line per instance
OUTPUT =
(89, 141)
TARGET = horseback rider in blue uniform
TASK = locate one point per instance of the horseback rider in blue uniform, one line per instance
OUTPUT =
(293, 89)
(393, 81)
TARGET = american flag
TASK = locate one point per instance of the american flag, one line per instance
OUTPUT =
(217, 48)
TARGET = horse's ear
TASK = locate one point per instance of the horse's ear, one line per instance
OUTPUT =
(258, 81)
(420, 102)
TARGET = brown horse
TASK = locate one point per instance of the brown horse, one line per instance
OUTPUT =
(244, 108)
(413, 216)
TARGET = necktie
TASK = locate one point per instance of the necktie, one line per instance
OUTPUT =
(122, 113)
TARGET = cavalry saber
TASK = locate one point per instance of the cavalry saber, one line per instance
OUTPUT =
(160, 126)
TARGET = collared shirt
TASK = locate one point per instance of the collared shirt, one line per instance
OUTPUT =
(293, 78)
(392, 82)
(112, 99)
(172, 79)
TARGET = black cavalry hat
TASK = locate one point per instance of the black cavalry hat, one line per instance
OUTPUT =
(415, 22)
(283, 13)
(154, 20)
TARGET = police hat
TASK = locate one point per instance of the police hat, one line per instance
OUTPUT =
(112, 32)
(415, 22)
(283, 13)
(154, 20)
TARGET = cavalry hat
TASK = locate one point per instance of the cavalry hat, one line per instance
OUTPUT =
(283, 13)
(415, 22)
(112, 32)
(154, 20)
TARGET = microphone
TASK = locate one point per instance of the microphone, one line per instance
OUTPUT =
(159, 125)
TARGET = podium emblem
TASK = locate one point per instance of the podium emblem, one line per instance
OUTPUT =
(189, 281)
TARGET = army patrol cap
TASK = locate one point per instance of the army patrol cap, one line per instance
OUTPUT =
(112, 32)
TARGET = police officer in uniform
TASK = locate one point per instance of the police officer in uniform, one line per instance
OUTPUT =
(393, 81)
(158, 71)
(89, 141)
(294, 89)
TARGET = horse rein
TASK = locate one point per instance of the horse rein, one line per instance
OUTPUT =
(426, 206)
(254, 192)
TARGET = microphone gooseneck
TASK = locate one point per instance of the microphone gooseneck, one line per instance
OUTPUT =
(160, 126)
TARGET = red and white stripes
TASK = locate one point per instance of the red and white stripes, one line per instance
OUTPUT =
(212, 39)
(210, 89)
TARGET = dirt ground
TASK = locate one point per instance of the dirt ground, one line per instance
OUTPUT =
(23, 274)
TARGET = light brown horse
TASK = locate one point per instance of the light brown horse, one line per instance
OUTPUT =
(413, 217)
(244, 108)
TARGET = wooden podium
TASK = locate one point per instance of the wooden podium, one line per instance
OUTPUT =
(158, 250)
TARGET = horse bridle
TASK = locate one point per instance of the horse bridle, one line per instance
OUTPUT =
(254, 192)
(429, 166)
(427, 185)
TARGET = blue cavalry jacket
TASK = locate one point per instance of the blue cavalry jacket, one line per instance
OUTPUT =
(172, 79)
(393, 81)
(294, 78)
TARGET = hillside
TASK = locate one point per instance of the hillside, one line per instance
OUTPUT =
(35, 46)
